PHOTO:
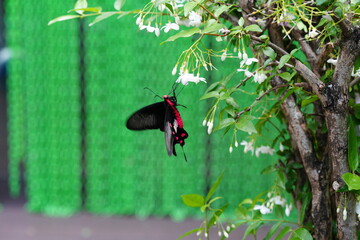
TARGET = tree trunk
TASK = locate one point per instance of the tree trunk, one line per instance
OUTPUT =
(317, 171)
(336, 115)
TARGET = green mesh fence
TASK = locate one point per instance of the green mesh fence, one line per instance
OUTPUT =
(125, 172)
(44, 123)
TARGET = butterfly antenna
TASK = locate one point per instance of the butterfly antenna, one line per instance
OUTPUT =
(184, 154)
(156, 95)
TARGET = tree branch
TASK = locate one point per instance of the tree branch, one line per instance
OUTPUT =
(305, 46)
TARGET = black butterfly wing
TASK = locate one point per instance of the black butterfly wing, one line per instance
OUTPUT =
(170, 127)
(149, 117)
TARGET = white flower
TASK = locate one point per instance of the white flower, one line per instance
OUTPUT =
(288, 209)
(246, 71)
(246, 60)
(139, 20)
(185, 78)
(224, 31)
(195, 19)
(173, 72)
(157, 30)
(357, 208)
(259, 77)
(179, 3)
(263, 209)
(356, 74)
(162, 7)
(313, 33)
(344, 214)
(332, 61)
(278, 200)
(223, 56)
(170, 26)
(281, 147)
(210, 127)
(248, 146)
(264, 150)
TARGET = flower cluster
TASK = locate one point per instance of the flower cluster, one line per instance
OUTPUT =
(171, 9)
(249, 147)
(268, 206)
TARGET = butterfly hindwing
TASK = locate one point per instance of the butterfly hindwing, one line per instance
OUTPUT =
(170, 126)
(149, 117)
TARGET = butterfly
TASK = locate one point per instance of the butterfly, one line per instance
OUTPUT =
(164, 116)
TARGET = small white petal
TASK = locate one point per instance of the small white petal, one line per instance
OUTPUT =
(332, 61)
(223, 56)
(344, 214)
(210, 127)
(173, 72)
(138, 20)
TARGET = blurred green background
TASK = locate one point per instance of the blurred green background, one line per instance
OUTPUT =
(70, 89)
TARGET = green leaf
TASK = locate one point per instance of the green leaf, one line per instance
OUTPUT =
(353, 155)
(183, 33)
(283, 233)
(63, 18)
(284, 59)
(273, 230)
(90, 9)
(286, 75)
(190, 232)
(352, 181)
(231, 101)
(188, 7)
(244, 124)
(213, 27)
(301, 234)
(101, 17)
(268, 51)
(216, 215)
(193, 200)
(212, 94)
(214, 187)
(241, 22)
(252, 229)
(253, 28)
(309, 100)
(118, 4)
(322, 2)
(170, 7)
(225, 123)
(212, 87)
(221, 9)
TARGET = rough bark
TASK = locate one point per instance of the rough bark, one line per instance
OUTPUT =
(336, 115)
(317, 171)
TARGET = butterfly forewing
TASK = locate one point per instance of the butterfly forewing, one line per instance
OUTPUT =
(149, 117)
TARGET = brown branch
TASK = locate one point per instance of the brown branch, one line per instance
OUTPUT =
(355, 81)
(323, 55)
(266, 93)
(309, 76)
(306, 48)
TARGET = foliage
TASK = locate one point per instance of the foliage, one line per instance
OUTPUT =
(248, 212)
(289, 52)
